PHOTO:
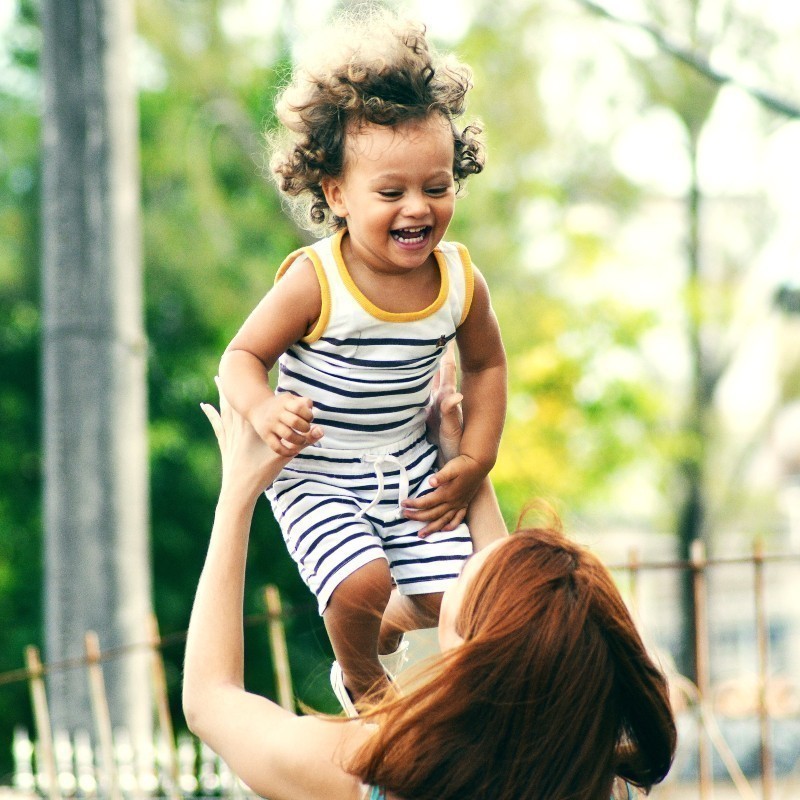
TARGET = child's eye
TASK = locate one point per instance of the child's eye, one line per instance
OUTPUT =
(437, 191)
(390, 194)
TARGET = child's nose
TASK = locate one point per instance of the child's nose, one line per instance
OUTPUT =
(417, 204)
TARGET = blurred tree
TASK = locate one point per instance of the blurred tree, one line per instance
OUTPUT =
(20, 497)
(710, 468)
(590, 410)
(581, 410)
(97, 565)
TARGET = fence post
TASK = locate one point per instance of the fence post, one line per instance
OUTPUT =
(102, 717)
(277, 644)
(41, 714)
(762, 639)
(699, 566)
(162, 707)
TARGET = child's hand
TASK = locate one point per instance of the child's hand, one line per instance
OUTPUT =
(284, 422)
(446, 506)
(247, 462)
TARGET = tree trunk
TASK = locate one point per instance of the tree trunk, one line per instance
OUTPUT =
(691, 516)
(97, 566)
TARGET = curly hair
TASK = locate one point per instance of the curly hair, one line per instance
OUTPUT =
(372, 68)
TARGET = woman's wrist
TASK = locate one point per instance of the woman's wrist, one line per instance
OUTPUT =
(235, 494)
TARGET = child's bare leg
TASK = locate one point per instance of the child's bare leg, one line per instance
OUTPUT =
(353, 621)
(407, 612)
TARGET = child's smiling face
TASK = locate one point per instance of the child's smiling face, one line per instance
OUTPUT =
(397, 192)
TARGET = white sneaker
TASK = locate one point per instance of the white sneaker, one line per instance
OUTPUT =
(393, 663)
(340, 690)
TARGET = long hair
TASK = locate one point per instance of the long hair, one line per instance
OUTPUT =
(551, 695)
(370, 67)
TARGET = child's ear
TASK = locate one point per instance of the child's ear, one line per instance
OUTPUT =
(332, 189)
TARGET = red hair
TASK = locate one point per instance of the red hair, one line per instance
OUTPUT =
(551, 696)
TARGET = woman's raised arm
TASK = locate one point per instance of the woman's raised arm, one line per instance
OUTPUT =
(278, 754)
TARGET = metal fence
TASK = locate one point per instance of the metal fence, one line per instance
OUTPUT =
(739, 735)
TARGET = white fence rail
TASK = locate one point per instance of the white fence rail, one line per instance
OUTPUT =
(141, 770)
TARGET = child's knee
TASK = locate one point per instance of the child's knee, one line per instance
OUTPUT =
(366, 590)
(428, 603)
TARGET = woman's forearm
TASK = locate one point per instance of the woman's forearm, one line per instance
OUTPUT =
(214, 645)
(485, 521)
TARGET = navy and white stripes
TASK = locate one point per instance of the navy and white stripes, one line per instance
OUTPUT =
(368, 373)
(317, 501)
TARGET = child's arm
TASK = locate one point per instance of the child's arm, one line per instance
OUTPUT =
(483, 366)
(287, 313)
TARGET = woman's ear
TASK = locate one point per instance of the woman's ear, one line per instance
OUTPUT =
(334, 196)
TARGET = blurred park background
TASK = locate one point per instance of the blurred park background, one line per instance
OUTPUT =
(637, 223)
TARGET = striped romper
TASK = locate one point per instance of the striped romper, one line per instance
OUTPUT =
(368, 373)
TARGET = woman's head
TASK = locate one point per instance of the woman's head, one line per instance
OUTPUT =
(370, 69)
(547, 690)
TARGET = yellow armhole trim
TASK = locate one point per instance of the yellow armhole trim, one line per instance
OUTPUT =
(379, 313)
(324, 289)
(469, 280)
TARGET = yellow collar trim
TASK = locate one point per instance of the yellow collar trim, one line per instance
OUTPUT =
(379, 313)
(324, 289)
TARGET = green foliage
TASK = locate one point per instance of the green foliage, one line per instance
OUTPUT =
(20, 507)
(214, 235)
(580, 408)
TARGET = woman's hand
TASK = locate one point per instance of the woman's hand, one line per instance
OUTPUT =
(248, 463)
(444, 510)
(445, 424)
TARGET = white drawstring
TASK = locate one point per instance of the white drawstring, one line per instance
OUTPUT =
(378, 464)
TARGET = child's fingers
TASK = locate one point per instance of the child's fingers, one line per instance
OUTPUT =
(295, 422)
(301, 406)
(419, 503)
(282, 448)
(447, 473)
(291, 448)
(435, 499)
(426, 514)
(457, 519)
(287, 442)
(437, 525)
(288, 434)
(299, 438)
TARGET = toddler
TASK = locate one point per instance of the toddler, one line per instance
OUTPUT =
(358, 323)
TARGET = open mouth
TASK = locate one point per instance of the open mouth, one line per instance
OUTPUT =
(411, 235)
